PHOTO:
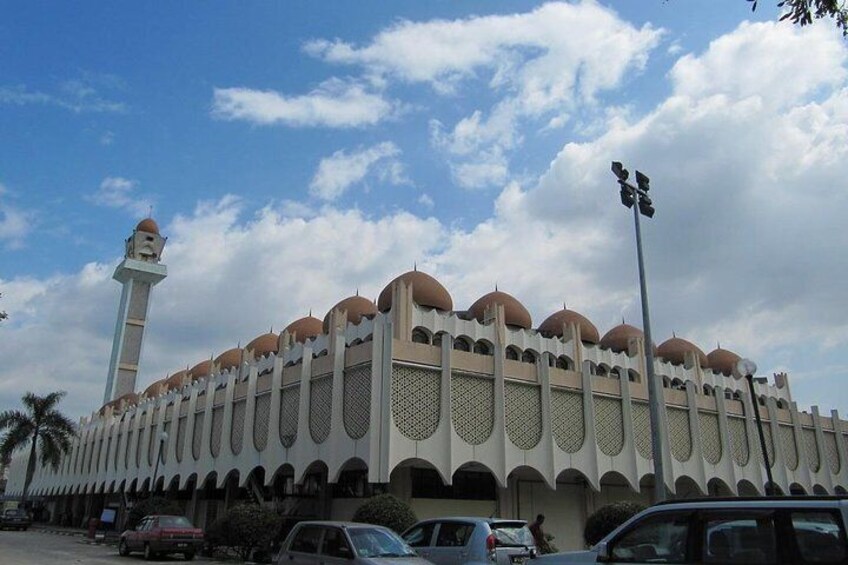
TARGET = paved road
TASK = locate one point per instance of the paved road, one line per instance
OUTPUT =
(35, 547)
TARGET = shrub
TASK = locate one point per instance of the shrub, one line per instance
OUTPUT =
(244, 530)
(607, 518)
(386, 510)
(154, 505)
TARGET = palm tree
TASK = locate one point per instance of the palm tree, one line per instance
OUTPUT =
(41, 426)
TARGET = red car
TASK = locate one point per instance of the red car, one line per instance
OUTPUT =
(159, 535)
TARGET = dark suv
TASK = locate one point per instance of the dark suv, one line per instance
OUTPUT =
(15, 519)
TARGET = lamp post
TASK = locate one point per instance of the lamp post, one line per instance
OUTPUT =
(163, 437)
(747, 368)
(638, 195)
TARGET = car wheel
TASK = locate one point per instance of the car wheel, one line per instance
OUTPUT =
(189, 555)
(123, 548)
(148, 553)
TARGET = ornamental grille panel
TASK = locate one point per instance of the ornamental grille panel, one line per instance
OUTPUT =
(609, 425)
(642, 430)
(237, 427)
(127, 448)
(289, 406)
(739, 440)
(710, 437)
(567, 419)
(357, 400)
(320, 408)
(811, 449)
(217, 430)
(679, 433)
(523, 414)
(416, 401)
(197, 435)
(181, 435)
(769, 445)
(107, 453)
(97, 459)
(472, 407)
(151, 441)
(117, 450)
(831, 451)
(142, 433)
(166, 428)
(787, 445)
(261, 419)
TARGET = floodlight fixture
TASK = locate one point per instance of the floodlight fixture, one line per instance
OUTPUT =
(642, 181)
(619, 171)
(627, 196)
(646, 206)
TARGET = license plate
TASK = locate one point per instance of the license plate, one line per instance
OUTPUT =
(518, 560)
(181, 545)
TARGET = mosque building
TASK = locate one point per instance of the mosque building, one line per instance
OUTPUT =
(459, 412)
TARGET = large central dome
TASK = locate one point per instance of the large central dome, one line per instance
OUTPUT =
(426, 291)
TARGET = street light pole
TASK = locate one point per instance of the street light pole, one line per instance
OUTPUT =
(163, 437)
(746, 368)
(631, 195)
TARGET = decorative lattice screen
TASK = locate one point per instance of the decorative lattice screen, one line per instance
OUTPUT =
(788, 446)
(127, 449)
(831, 451)
(151, 442)
(166, 427)
(261, 417)
(416, 401)
(679, 433)
(181, 435)
(197, 435)
(523, 414)
(320, 407)
(811, 448)
(217, 430)
(739, 440)
(142, 433)
(357, 400)
(609, 425)
(289, 407)
(710, 437)
(642, 429)
(117, 450)
(567, 420)
(769, 445)
(472, 407)
(237, 427)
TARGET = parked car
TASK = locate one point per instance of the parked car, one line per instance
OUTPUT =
(15, 519)
(160, 535)
(774, 530)
(472, 541)
(345, 542)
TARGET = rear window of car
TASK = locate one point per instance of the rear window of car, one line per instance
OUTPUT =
(512, 534)
(15, 512)
(174, 522)
(819, 536)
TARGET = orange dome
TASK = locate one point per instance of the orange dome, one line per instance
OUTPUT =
(618, 338)
(305, 328)
(722, 361)
(149, 225)
(552, 326)
(264, 344)
(153, 389)
(426, 291)
(515, 314)
(229, 359)
(356, 307)
(176, 380)
(129, 398)
(202, 369)
(674, 351)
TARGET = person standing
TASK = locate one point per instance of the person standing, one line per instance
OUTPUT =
(539, 534)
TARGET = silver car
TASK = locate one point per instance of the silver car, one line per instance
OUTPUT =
(314, 543)
(472, 541)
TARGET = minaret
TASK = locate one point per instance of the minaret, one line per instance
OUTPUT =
(138, 273)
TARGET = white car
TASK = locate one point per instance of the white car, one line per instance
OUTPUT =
(773, 530)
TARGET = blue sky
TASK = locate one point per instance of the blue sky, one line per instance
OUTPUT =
(294, 152)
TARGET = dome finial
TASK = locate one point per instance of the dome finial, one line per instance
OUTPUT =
(496, 287)
(718, 345)
(357, 291)
(564, 307)
(622, 320)
(238, 345)
(310, 311)
(150, 211)
(673, 334)
(415, 265)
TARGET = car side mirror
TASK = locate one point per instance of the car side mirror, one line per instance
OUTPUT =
(602, 549)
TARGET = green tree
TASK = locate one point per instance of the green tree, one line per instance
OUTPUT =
(40, 426)
(386, 510)
(607, 518)
(803, 12)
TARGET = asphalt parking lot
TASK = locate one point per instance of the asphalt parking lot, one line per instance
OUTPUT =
(46, 548)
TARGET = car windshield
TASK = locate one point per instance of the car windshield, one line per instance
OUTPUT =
(372, 542)
(14, 512)
(174, 522)
(512, 534)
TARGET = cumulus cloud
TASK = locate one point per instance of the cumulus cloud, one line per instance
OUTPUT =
(15, 223)
(335, 103)
(120, 193)
(341, 170)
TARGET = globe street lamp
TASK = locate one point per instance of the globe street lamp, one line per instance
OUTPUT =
(745, 368)
(163, 437)
(638, 195)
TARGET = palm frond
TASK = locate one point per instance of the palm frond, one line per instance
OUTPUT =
(40, 405)
(55, 420)
(14, 439)
(51, 451)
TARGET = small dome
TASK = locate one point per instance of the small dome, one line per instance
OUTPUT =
(153, 389)
(618, 338)
(264, 344)
(426, 291)
(305, 328)
(229, 359)
(553, 325)
(201, 370)
(176, 380)
(515, 314)
(149, 225)
(357, 307)
(674, 351)
(722, 361)
(129, 398)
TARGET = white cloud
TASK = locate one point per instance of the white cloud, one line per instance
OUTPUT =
(118, 192)
(77, 95)
(15, 223)
(341, 170)
(335, 103)
(426, 200)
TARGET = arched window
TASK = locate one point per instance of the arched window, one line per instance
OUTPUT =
(761, 400)
(666, 382)
(482, 347)
(368, 337)
(615, 373)
(737, 395)
(437, 339)
(420, 335)
(633, 376)
(565, 362)
(529, 356)
(783, 404)
(461, 344)
(677, 384)
(512, 353)
(602, 370)
(708, 390)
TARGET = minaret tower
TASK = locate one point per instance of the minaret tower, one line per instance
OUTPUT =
(138, 273)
